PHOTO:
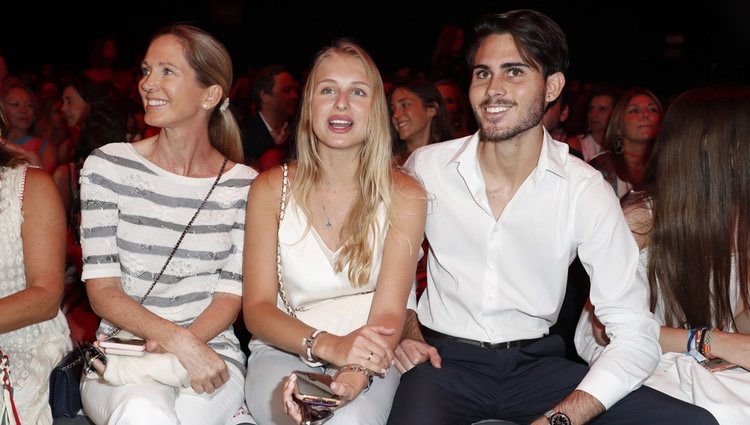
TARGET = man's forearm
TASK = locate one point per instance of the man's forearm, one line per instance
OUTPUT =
(411, 327)
(580, 406)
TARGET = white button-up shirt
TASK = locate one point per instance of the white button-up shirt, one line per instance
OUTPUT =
(504, 280)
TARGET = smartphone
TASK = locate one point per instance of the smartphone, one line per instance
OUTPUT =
(124, 347)
(315, 389)
(716, 364)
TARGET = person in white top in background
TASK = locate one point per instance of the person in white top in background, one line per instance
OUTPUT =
(509, 210)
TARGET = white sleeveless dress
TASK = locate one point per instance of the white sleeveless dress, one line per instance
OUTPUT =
(307, 263)
(35, 349)
(310, 279)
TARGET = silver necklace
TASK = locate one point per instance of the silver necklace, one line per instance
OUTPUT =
(328, 224)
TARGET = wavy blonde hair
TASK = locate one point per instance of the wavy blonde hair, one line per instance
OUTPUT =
(374, 174)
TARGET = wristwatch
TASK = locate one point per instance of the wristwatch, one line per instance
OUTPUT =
(557, 418)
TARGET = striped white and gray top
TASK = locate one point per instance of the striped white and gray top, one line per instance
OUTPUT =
(133, 213)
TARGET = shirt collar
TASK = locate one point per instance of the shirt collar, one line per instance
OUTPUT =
(552, 156)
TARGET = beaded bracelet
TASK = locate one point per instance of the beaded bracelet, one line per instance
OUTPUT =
(705, 345)
(308, 342)
(359, 369)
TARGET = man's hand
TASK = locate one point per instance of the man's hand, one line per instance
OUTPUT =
(410, 353)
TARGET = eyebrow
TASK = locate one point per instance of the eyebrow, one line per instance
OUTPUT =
(505, 65)
(354, 83)
(169, 64)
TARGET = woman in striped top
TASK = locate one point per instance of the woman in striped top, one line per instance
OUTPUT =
(136, 201)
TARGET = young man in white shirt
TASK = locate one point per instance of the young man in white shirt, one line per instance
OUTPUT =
(509, 211)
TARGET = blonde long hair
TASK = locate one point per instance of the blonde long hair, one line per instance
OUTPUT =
(374, 173)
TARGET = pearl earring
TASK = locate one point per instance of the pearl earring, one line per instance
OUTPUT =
(205, 106)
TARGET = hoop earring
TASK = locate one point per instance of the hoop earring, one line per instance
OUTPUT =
(618, 145)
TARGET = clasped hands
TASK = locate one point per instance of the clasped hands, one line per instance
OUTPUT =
(207, 370)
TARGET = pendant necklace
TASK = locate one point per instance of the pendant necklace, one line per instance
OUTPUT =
(328, 224)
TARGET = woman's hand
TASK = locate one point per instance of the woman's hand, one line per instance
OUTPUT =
(207, 370)
(349, 384)
(291, 407)
(300, 412)
(365, 346)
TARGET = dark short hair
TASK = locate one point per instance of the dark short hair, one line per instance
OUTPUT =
(265, 80)
(540, 40)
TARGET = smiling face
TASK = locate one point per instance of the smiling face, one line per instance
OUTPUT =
(506, 94)
(341, 102)
(410, 116)
(169, 89)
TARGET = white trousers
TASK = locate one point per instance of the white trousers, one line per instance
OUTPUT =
(157, 404)
(266, 369)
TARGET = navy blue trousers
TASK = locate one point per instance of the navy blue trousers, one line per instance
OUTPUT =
(519, 385)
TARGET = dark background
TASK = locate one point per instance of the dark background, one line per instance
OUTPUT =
(664, 46)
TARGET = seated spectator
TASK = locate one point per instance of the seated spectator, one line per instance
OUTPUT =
(629, 140)
(509, 210)
(352, 224)
(275, 93)
(601, 100)
(19, 105)
(33, 330)
(691, 226)
(163, 237)
(419, 118)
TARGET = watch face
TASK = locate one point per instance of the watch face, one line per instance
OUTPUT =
(559, 419)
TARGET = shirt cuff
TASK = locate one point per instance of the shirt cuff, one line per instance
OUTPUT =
(98, 271)
(229, 287)
(604, 386)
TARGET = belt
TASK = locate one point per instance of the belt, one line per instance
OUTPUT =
(429, 333)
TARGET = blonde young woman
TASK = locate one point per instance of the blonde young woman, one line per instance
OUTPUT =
(352, 223)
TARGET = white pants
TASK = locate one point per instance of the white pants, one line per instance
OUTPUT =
(157, 404)
(266, 369)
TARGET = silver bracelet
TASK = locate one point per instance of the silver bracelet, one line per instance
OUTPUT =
(358, 368)
(308, 342)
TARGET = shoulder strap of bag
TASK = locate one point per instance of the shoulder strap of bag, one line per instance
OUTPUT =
(282, 208)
